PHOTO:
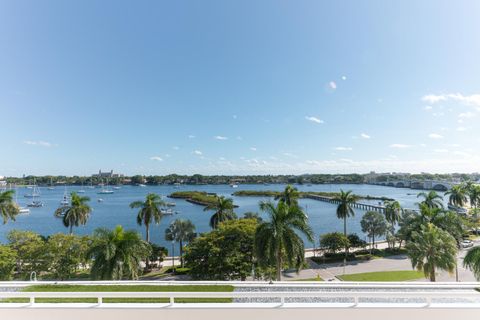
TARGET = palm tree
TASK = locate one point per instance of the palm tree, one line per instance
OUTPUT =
(223, 208)
(474, 195)
(181, 231)
(117, 254)
(8, 208)
(278, 237)
(431, 199)
(149, 211)
(393, 212)
(344, 210)
(289, 196)
(457, 195)
(472, 261)
(432, 248)
(75, 214)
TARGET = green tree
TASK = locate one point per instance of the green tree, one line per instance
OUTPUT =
(181, 231)
(431, 199)
(472, 261)
(8, 260)
(289, 196)
(31, 252)
(344, 210)
(373, 224)
(457, 195)
(334, 241)
(355, 241)
(223, 208)
(117, 254)
(66, 253)
(8, 208)
(252, 215)
(226, 253)
(150, 211)
(430, 249)
(277, 240)
(473, 191)
(393, 212)
(75, 214)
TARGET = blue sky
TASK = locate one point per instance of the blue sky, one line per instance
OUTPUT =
(239, 87)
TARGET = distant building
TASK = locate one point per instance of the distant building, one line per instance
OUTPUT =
(109, 174)
(3, 183)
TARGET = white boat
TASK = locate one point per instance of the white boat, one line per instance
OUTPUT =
(117, 188)
(51, 185)
(234, 185)
(170, 204)
(167, 212)
(35, 192)
(81, 190)
(23, 210)
(105, 189)
(142, 185)
(35, 204)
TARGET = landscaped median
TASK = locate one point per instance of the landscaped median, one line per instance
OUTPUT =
(125, 288)
(383, 276)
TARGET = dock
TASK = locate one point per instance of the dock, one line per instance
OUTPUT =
(357, 205)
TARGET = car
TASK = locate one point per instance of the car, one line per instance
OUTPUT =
(466, 243)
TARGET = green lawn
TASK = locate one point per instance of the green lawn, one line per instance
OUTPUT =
(125, 288)
(309, 279)
(383, 276)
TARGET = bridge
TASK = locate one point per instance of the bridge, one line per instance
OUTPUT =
(413, 184)
(357, 205)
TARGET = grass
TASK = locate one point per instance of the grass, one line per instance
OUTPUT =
(309, 279)
(196, 197)
(383, 276)
(125, 288)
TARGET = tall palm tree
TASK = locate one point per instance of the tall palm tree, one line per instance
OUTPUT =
(344, 210)
(430, 249)
(431, 199)
(474, 195)
(223, 208)
(278, 238)
(150, 211)
(289, 196)
(76, 213)
(472, 261)
(8, 208)
(181, 231)
(457, 195)
(393, 212)
(117, 254)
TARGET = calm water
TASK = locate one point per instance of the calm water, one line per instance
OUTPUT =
(115, 208)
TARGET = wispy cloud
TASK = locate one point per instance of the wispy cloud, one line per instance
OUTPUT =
(435, 136)
(156, 158)
(314, 119)
(220, 138)
(176, 148)
(461, 129)
(466, 115)
(400, 146)
(441, 150)
(191, 136)
(343, 148)
(253, 148)
(472, 100)
(40, 143)
(198, 152)
(365, 136)
(332, 85)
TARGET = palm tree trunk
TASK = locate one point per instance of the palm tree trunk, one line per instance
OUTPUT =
(71, 229)
(181, 254)
(346, 247)
(432, 274)
(373, 240)
(279, 265)
(147, 237)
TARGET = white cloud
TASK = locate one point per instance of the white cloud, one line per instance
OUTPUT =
(314, 119)
(156, 158)
(344, 78)
(220, 138)
(332, 85)
(400, 146)
(343, 148)
(472, 100)
(39, 143)
(253, 148)
(441, 150)
(239, 138)
(191, 136)
(466, 115)
(461, 129)
(175, 148)
(428, 108)
(365, 136)
(222, 159)
(198, 152)
(435, 136)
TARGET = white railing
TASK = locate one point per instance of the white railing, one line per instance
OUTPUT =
(346, 295)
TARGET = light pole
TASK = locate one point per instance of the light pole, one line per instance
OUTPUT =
(173, 256)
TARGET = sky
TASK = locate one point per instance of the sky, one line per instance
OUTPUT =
(239, 87)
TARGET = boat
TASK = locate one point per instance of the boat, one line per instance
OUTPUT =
(20, 209)
(91, 185)
(100, 200)
(51, 185)
(105, 189)
(459, 210)
(142, 185)
(167, 212)
(81, 190)
(117, 188)
(35, 192)
(35, 204)
(234, 185)
(170, 204)
(65, 201)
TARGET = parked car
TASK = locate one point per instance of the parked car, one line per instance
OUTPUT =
(466, 243)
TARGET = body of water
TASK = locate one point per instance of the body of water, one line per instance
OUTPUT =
(115, 210)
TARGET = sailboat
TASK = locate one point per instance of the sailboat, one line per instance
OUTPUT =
(51, 185)
(65, 201)
(20, 208)
(82, 190)
(35, 192)
(91, 185)
(105, 189)
(35, 203)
